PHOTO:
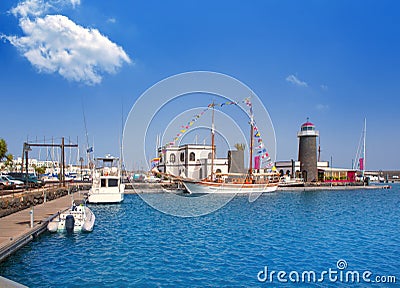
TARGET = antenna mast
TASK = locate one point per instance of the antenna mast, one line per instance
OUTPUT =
(212, 143)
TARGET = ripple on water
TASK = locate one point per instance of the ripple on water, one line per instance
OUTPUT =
(134, 245)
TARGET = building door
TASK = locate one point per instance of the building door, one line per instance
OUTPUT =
(304, 174)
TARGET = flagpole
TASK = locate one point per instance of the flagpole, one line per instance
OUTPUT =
(212, 144)
(365, 134)
(251, 144)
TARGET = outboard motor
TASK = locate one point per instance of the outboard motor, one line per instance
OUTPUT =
(69, 223)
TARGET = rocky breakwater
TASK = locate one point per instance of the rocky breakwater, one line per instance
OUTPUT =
(19, 201)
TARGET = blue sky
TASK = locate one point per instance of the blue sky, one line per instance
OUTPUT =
(336, 62)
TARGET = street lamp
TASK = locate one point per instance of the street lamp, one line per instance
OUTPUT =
(26, 149)
(81, 161)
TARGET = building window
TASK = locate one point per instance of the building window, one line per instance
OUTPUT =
(209, 155)
(182, 156)
(192, 156)
(172, 158)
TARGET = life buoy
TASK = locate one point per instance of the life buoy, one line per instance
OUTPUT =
(105, 173)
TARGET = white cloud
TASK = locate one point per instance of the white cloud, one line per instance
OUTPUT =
(55, 44)
(38, 8)
(324, 87)
(31, 8)
(294, 80)
(75, 3)
(111, 20)
(321, 107)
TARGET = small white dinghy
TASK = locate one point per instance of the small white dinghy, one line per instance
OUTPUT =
(78, 218)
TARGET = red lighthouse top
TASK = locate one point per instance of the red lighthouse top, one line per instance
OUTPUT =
(308, 126)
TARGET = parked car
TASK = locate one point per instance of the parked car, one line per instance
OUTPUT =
(17, 183)
(5, 183)
(137, 177)
(152, 179)
(86, 178)
(32, 180)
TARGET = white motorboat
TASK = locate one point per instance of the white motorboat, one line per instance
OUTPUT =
(286, 181)
(107, 186)
(78, 218)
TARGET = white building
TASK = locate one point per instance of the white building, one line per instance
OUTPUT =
(51, 166)
(190, 161)
(292, 167)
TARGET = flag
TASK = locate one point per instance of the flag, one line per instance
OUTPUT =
(257, 162)
(361, 163)
(89, 150)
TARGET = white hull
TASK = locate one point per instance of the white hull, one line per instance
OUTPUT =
(106, 195)
(105, 198)
(203, 187)
(83, 220)
(107, 186)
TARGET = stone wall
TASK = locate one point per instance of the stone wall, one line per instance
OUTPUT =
(19, 201)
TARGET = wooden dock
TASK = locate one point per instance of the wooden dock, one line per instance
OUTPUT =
(16, 231)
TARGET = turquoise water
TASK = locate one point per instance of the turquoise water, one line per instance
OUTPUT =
(134, 245)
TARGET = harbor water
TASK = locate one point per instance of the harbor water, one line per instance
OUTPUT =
(239, 245)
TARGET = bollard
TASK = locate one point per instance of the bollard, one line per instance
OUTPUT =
(31, 213)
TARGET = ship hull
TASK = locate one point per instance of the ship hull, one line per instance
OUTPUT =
(203, 187)
(106, 195)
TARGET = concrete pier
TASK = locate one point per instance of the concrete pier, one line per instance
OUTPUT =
(16, 230)
(7, 283)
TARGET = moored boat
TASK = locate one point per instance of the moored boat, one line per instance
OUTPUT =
(200, 187)
(107, 186)
(286, 181)
(78, 218)
(249, 182)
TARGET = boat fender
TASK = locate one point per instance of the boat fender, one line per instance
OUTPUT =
(69, 223)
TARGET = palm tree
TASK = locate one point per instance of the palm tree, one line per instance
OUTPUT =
(3, 148)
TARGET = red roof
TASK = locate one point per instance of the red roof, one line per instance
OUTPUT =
(307, 124)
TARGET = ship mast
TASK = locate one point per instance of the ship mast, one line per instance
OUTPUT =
(364, 139)
(251, 144)
(212, 143)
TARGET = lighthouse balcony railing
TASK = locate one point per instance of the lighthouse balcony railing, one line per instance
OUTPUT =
(308, 133)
